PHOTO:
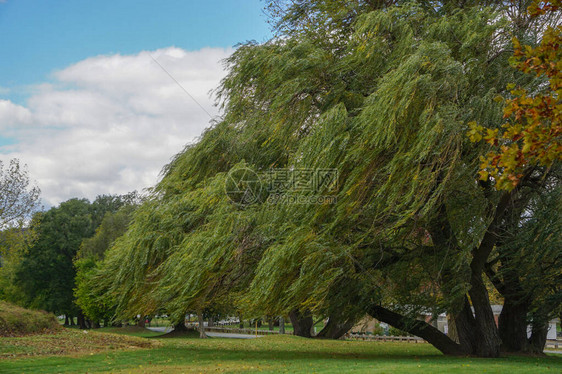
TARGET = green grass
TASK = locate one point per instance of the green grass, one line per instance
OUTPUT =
(288, 328)
(274, 354)
(131, 331)
(67, 342)
(17, 321)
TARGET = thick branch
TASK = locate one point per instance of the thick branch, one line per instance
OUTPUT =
(419, 328)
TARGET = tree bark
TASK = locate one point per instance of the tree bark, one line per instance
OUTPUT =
(487, 337)
(465, 327)
(538, 337)
(81, 321)
(302, 323)
(270, 322)
(180, 326)
(335, 328)
(202, 334)
(418, 328)
(512, 326)
(281, 325)
(487, 340)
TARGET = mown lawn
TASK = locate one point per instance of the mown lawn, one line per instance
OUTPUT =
(274, 354)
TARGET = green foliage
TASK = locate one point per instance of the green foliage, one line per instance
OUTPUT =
(113, 225)
(13, 245)
(17, 321)
(382, 94)
(46, 273)
(90, 297)
(95, 305)
(532, 258)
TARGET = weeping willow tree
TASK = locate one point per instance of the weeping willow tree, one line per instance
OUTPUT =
(381, 93)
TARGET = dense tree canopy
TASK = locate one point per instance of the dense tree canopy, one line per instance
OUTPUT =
(45, 276)
(381, 93)
(91, 299)
(46, 273)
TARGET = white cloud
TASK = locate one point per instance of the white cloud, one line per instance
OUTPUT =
(109, 123)
(12, 114)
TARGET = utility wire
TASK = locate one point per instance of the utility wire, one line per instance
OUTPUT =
(182, 87)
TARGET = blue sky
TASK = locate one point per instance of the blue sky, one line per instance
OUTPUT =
(84, 104)
(40, 36)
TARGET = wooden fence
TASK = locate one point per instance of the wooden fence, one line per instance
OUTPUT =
(235, 330)
(369, 337)
(556, 344)
(553, 344)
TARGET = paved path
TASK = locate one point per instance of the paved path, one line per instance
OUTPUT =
(160, 329)
(211, 334)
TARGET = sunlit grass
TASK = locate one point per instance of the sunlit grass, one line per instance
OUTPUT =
(273, 354)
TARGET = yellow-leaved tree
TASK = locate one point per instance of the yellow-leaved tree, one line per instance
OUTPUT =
(532, 135)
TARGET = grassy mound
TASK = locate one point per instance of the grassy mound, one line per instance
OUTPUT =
(17, 321)
(69, 342)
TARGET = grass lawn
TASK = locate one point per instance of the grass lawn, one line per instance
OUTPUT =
(66, 342)
(131, 331)
(270, 354)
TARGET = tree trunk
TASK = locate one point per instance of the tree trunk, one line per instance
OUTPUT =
(211, 322)
(302, 323)
(487, 338)
(270, 322)
(202, 334)
(452, 329)
(419, 328)
(486, 333)
(81, 321)
(538, 337)
(140, 322)
(465, 327)
(66, 322)
(179, 326)
(512, 326)
(335, 328)
(281, 325)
